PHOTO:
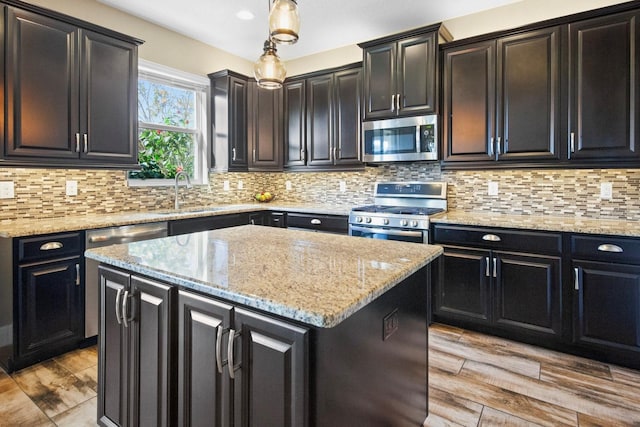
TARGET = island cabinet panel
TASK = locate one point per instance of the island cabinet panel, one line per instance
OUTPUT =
(136, 351)
(500, 280)
(604, 100)
(192, 225)
(606, 287)
(270, 371)
(204, 397)
(70, 94)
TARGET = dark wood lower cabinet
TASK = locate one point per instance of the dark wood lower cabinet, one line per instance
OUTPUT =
(136, 351)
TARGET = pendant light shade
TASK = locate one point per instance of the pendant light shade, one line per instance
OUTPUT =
(284, 22)
(268, 70)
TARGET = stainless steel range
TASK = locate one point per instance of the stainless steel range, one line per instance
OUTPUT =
(401, 211)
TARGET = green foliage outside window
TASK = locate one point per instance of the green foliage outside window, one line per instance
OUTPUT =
(162, 153)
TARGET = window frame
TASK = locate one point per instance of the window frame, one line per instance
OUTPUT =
(165, 75)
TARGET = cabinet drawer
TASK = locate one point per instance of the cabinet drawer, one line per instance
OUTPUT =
(603, 248)
(49, 246)
(330, 223)
(498, 239)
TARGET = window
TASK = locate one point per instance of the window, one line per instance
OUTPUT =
(172, 117)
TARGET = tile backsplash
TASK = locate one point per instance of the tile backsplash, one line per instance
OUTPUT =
(40, 193)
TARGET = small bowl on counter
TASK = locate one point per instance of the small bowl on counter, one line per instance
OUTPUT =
(264, 197)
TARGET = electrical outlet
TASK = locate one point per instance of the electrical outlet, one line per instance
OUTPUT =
(287, 185)
(7, 190)
(226, 186)
(606, 190)
(343, 186)
(492, 188)
(240, 185)
(72, 188)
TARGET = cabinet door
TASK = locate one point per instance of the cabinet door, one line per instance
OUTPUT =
(50, 306)
(416, 74)
(528, 95)
(380, 81)
(148, 310)
(604, 99)
(462, 289)
(469, 102)
(238, 93)
(108, 99)
(42, 74)
(528, 293)
(113, 351)
(320, 120)
(347, 116)
(294, 123)
(607, 315)
(265, 139)
(271, 380)
(204, 394)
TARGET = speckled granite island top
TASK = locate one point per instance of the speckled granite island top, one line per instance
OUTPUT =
(539, 222)
(315, 278)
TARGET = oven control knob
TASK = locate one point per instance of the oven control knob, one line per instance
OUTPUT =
(368, 220)
(403, 223)
(414, 223)
(386, 221)
(358, 219)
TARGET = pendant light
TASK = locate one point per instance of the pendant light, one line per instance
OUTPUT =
(268, 70)
(284, 22)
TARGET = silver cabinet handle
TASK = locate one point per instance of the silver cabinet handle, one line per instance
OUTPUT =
(576, 279)
(49, 246)
(77, 142)
(572, 142)
(125, 300)
(86, 142)
(218, 348)
(393, 103)
(316, 221)
(610, 248)
(498, 146)
(491, 147)
(487, 270)
(254, 155)
(335, 153)
(495, 267)
(233, 154)
(118, 317)
(302, 154)
(77, 274)
(230, 364)
(491, 238)
(398, 102)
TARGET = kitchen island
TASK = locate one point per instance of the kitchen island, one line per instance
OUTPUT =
(263, 326)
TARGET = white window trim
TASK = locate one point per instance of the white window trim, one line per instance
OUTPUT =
(163, 74)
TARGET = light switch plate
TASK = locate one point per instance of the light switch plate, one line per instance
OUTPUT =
(225, 186)
(492, 188)
(7, 190)
(343, 186)
(606, 190)
(72, 188)
(287, 185)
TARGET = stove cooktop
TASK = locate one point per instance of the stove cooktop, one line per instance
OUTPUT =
(398, 210)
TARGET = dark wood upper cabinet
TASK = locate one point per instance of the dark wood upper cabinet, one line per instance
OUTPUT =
(71, 94)
(347, 116)
(604, 117)
(294, 126)
(320, 120)
(265, 128)
(502, 99)
(401, 73)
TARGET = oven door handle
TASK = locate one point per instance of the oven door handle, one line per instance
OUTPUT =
(386, 231)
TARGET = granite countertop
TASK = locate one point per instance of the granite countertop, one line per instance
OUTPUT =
(315, 278)
(545, 223)
(35, 226)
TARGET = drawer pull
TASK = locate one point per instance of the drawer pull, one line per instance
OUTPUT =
(487, 270)
(610, 248)
(316, 221)
(491, 238)
(230, 364)
(51, 246)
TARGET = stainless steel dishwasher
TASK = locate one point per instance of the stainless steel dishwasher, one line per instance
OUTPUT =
(104, 237)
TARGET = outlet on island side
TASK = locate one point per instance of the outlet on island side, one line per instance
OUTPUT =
(389, 324)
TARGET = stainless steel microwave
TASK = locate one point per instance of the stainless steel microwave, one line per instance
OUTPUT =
(406, 139)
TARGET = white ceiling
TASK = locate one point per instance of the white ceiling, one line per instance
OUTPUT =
(325, 24)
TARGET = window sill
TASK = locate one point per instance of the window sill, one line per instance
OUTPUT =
(159, 182)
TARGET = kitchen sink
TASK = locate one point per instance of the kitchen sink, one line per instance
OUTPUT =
(190, 211)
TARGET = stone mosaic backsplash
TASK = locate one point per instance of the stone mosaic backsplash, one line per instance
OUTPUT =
(40, 193)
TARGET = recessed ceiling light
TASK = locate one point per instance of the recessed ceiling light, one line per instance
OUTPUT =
(245, 15)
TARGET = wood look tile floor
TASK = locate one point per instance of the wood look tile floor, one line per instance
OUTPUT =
(474, 380)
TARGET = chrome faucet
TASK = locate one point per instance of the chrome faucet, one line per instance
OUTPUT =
(178, 175)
